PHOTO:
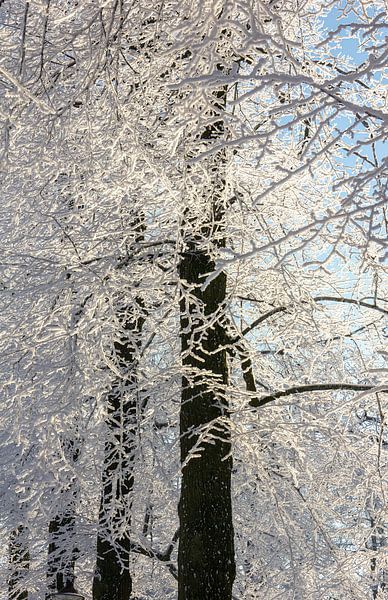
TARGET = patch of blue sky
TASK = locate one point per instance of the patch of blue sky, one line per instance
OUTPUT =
(351, 41)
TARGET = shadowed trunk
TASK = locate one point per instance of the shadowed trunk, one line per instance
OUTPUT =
(19, 563)
(62, 551)
(206, 564)
(112, 579)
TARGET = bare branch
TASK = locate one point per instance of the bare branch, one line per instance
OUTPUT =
(313, 387)
(281, 309)
(350, 301)
(164, 557)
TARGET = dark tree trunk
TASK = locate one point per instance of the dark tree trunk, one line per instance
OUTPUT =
(206, 564)
(60, 568)
(19, 563)
(377, 541)
(62, 551)
(112, 580)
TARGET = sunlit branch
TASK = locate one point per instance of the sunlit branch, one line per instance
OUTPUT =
(314, 387)
(351, 301)
(281, 309)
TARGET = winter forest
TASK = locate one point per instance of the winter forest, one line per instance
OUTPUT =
(194, 300)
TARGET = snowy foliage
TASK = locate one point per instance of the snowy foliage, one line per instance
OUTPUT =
(253, 130)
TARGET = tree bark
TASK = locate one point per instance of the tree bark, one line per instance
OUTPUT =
(206, 564)
(19, 563)
(62, 551)
(112, 579)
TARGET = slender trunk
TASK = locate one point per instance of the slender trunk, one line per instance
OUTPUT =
(61, 563)
(19, 563)
(62, 551)
(206, 564)
(377, 540)
(112, 579)
(373, 562)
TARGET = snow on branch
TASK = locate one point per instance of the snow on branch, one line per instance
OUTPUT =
(314, 387)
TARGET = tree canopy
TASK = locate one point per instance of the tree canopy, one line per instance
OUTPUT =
(193, 299)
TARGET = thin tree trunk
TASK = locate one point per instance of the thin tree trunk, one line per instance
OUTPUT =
(376, 539)
(60, 568)
(62, 551)
(206, 564)
(112, 579)
(19, 563)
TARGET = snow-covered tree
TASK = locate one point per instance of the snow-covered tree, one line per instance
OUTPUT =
(193, 240)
